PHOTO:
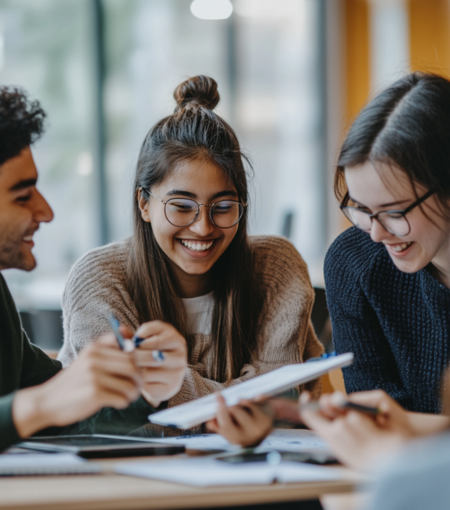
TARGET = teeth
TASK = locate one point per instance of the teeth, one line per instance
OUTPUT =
(28, 238)
(197, 246)
(400, 247)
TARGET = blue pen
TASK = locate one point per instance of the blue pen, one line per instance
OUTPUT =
(321, 358)
(157, 355)
(115, 327)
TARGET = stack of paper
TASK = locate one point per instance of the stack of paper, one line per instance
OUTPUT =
(292, 440)
(45, 464)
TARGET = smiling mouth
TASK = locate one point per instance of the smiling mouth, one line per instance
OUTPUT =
(197, 246)
(27, 238)
(399, 247)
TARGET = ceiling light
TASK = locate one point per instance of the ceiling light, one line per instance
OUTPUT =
(211, 9)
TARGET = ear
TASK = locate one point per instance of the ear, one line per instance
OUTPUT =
(144, 206)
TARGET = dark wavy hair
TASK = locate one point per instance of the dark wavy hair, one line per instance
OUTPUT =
(407, 126)
(21, 122)
(194, 132)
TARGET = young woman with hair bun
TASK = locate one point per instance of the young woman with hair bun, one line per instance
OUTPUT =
(241, 303)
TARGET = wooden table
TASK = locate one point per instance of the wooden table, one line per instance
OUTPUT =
(116, 492)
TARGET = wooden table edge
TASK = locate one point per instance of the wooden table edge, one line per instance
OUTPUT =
(205, 497)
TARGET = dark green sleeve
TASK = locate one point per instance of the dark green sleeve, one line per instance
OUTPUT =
(21, 364)
(37, 367)
(116, 421)
(8, 432)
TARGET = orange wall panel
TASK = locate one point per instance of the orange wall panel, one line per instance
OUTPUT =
(357, 62)
(429, 36)
(357, 56)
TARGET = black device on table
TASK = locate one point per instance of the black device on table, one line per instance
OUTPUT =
(100, 446)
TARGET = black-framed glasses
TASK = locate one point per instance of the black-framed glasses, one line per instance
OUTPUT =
(395, 222)
(182, 212)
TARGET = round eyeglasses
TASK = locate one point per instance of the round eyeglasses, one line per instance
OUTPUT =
(182, 212)
(395, 222)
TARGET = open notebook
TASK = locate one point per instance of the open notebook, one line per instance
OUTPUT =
(205, 472)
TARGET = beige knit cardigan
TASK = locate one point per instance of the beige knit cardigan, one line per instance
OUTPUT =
(97, 288)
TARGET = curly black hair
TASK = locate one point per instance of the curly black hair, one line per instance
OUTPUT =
(21, 122)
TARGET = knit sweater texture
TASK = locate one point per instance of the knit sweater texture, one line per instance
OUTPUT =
(97, 287)
(397, 324)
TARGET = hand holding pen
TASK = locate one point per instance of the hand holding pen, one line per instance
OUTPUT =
(128, 345)
(329, 406)
(160, 352)
(358, 427)
(157, 355)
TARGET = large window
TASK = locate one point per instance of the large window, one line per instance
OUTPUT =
(46, 50)
(267, 61)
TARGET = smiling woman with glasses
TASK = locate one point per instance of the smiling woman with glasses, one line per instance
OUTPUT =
(182, 212)
(388, 279)
(241, 303)
(394, 222)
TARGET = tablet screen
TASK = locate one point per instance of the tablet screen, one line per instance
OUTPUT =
(87, 441)
(100, 445)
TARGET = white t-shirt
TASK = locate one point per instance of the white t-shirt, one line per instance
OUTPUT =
(199, 312)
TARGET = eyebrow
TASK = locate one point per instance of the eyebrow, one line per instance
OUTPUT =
(26, 183)
(390, 204)
(224, 193)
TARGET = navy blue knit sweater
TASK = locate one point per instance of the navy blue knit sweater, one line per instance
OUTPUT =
(396, 324)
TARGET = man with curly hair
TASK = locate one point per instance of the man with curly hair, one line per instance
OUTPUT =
(34, 392)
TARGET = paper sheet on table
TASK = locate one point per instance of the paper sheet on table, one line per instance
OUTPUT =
(193, 413)
(203, 472)
(286, 440)
(292, 440)
(45, 464)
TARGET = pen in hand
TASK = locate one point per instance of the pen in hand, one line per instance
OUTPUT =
(114, 323)
(315, 406)
(136, 340)
(157, 355)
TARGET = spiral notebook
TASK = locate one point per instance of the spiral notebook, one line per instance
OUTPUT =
(24, 464)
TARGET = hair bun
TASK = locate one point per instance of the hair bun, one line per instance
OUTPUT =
(199, 90)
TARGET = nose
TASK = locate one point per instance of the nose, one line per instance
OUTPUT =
(42, 210)
(378, 232)
(203, 225)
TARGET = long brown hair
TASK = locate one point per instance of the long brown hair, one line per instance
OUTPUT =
(194, 132)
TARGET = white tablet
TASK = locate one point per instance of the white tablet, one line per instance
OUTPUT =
(273, 383)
